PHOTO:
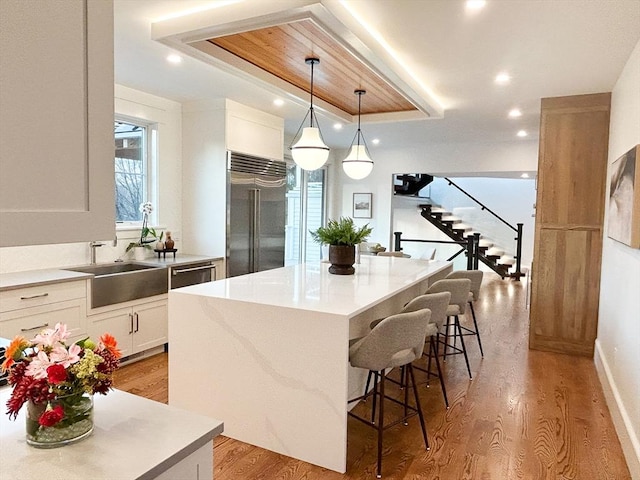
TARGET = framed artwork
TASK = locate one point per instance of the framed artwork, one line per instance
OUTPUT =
(624, 199)
(362, 205)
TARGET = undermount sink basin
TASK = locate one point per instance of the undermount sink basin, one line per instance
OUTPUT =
(121, 282)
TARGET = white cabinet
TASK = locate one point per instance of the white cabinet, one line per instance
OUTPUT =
(137, 327)
(56, 140)
(197, 466)
(27, 311)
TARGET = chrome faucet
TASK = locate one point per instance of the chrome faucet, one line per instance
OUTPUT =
(93, 246)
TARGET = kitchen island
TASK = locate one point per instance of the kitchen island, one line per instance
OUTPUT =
(268, 352)
(133, 439)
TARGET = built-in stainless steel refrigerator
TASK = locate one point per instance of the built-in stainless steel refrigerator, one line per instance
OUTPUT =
(256, 189)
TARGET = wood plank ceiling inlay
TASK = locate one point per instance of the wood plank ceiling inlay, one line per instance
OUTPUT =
(281, 51)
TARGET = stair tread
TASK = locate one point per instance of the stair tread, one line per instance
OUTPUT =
(450, 218)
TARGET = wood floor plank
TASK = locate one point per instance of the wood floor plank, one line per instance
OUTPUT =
(526, 414)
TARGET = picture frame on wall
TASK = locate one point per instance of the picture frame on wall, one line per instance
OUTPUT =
(362, 205)
(624, 199)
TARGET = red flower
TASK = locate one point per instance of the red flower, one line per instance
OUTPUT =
(50, 417)
(56, 374)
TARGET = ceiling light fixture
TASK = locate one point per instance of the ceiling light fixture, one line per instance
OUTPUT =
(174, 58)
(524, 175)
(503, 78)
(337, 126)
(310, 152)
(475, 5)
(375, 141)
(522, 133)
(515, 113)
(358, 164)
(278, 102)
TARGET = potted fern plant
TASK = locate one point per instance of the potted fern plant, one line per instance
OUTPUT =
(342, 236)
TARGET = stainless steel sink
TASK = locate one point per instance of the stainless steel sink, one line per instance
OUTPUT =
(120, 282)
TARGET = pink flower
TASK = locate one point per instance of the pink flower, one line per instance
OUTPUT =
(52, 336)
(38, 366)
(66, 357)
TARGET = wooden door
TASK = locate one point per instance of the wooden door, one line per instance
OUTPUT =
(572, 169)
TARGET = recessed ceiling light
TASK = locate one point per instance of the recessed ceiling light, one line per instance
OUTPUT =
(475, 5)
(503, 78)
(515, 113)
(337, 126)
(522, 133)
(174, 58)
(524, 175)
(375, 141)
(278, 102)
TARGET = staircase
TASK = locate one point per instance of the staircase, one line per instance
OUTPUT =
(493, 256)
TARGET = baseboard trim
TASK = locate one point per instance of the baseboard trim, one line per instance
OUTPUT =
(626, 434)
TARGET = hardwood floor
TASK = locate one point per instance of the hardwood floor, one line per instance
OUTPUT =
(525, 415)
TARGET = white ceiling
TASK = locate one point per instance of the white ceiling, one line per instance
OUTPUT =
(550, 47)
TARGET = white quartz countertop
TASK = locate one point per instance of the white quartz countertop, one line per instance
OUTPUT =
(311, 287)
(133, 438)
(31, 278)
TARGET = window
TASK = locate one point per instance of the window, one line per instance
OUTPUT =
(134, 147)
(305, 211)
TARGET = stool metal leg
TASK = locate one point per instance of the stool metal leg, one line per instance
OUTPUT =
(475, 324)
(433, 350)
(464, 349)
(380, 422)
(418, 407)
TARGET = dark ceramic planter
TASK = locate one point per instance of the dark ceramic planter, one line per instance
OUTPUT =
(342, 258)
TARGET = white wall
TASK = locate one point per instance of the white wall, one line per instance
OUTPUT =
(134, 104)
(437, 159)
(618, 344)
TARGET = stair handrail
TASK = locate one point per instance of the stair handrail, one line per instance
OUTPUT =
(484, 207)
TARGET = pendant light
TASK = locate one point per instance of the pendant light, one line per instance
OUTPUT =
(310, 152)
(358, 164)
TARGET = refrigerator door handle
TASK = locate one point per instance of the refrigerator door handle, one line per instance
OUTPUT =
(256, 230)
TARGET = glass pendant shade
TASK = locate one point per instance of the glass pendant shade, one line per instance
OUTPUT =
(357, 165)
(310, 152)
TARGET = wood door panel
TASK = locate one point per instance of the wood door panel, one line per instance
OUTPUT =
(564, 306)
(571, 171)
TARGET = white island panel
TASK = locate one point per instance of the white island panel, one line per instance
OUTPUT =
(268, 352)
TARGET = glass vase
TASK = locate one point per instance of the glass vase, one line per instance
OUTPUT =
(76, 422)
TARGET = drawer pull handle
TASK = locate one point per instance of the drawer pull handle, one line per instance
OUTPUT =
(130, 323)
(34, 328)
(35, 296)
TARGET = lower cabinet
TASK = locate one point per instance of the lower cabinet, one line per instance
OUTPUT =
(136, 328)
(29, 310)
(197, 466)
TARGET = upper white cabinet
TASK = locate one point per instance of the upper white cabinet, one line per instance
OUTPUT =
(56, 122)
(253, 132)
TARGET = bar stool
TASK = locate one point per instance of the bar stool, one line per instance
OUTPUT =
(396, 341)
(459, 289)
(437, 303)
(476, 281)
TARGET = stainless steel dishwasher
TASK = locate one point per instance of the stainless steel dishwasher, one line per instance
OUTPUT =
(192, 274)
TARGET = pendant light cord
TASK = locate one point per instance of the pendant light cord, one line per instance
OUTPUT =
(311, 102)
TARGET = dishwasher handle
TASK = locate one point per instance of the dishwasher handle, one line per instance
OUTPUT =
(176, 271)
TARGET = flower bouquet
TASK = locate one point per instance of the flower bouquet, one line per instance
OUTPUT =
(57, 382)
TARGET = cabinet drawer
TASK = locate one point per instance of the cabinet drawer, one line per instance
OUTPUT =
(28, 322)
(41, 295)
